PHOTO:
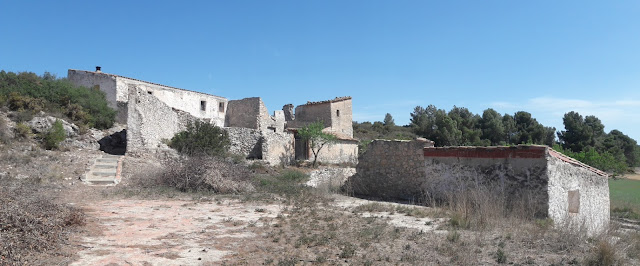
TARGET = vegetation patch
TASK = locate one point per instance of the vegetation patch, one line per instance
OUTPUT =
(32, 225)
(201, 138)
(625, 198)
(29, 93)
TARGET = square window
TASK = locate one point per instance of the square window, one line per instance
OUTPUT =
(203, 105)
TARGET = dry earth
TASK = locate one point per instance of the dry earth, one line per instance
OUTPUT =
(188, 232)
(173, 232)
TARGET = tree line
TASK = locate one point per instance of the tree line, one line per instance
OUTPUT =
(583, 138)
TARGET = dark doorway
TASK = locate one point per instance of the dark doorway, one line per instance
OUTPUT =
(115, 143)
(302, 149)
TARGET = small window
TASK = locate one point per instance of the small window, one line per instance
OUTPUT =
(221, 107)
(203, 105)
(337, 112)
(150, 92)
(574, 201)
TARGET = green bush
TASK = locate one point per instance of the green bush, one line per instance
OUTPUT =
(201, 138)
(22, 131)
(604, 161)
(54, 136)
(27, 91)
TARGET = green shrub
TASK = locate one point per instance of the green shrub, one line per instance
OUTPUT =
(201, 138)
(288, 183)
(22, 131)
(501, 257)
(4, 136)
(604, 161)
(18, 102)
(27, 91)
(54, 136)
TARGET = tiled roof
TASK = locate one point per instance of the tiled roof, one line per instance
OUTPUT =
(575, 162)
(337, 99)
(158, 84)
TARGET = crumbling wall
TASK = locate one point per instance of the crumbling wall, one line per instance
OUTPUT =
(245, 141)
(185, 100)
(245, 113)
(578, 196)
(150, 121)
(340, 152)
(518, 175)
(312, 112)
(390, 169)
(278, 148)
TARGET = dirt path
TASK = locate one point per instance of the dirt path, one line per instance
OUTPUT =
(154, 232)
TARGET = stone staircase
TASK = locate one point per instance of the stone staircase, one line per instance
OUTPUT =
(105, 171)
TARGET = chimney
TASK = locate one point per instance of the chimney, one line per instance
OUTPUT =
(98, 69)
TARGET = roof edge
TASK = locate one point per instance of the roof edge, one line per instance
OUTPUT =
(153, 83)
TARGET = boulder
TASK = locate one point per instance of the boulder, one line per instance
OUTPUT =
(41, 124)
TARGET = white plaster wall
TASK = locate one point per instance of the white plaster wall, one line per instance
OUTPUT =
(89, 79)
(593, 215)
(188, 101)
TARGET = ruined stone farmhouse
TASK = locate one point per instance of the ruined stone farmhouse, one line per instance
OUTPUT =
(154, 113)
(534, 178)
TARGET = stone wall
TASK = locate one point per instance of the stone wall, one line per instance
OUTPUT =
(278, 148)
(342, 118)
(245, 141)
(150, 121)
(390, 169)
(535, 178)
(184, 100)
(309, 113)
(245, 113)
(340, 152)
(106, 83)
(578, 196)
(117, 87)
(516, 174)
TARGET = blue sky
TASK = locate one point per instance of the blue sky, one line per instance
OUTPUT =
(544, 57)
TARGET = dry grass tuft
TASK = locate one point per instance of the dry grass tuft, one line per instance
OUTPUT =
(32, 225)
(206, 174)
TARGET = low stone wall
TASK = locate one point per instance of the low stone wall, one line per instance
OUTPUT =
(535, 179)
(390, 170)
(341, 152)
(517, 175)
(277, 148)
(330, 179)
(245, 141)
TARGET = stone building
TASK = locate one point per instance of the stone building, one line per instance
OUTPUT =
(154, 113)
(545, 182)
(118, 89)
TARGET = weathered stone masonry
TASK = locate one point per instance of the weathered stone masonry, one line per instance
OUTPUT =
(567, 191)
(154, 113)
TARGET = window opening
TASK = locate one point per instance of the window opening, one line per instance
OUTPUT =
(203, 105)
(221, 107)
(574, 201)
(337, 112)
